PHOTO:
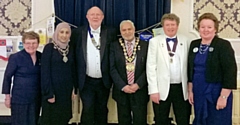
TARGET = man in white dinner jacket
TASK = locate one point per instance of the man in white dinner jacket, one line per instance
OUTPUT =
(167, 73)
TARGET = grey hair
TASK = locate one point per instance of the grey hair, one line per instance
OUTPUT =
(127, 21)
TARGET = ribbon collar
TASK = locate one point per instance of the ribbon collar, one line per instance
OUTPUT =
(92, 37)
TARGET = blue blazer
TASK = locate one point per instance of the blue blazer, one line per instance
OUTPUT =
(79, 41)
(26, 78)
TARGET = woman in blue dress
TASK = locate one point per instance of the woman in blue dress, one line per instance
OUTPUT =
(212, 74)
(25, 96)
(58, 78)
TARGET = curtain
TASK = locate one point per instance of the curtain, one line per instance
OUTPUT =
(143, 13)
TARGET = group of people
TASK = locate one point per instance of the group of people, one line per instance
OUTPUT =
(91, 60)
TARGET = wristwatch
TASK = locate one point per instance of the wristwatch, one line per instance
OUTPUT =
(223, 96)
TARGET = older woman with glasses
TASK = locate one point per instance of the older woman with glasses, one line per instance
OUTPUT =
(25, 96)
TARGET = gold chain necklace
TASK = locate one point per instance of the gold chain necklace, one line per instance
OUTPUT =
(129, 59)
(63, 52)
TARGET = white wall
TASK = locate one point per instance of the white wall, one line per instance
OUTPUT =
(184, 10)
(41, 11)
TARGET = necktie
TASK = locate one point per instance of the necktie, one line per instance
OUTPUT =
(130, 74)
(129, 51)
(171, 39)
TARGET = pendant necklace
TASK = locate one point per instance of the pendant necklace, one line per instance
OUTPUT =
(63, 52)
(129, 59)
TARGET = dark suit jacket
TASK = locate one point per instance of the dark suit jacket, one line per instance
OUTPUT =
(119, 74)
(221, 64)
(26, 78)
(79, 41)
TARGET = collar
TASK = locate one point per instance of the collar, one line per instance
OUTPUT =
(133, 42)
(171, 37)
(98, 30)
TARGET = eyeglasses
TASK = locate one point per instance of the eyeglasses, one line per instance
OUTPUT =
(29, 44)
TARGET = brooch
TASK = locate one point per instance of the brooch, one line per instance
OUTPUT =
(211, 49)
(195, 49)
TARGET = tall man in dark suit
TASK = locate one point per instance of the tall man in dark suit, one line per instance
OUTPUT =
(128, 71)
(92, 62)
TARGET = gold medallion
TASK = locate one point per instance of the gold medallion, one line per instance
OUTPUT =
(65, 59)
(130, 67)
(63, 52)
(131, 58)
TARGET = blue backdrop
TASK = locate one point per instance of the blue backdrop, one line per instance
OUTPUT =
(143, 13)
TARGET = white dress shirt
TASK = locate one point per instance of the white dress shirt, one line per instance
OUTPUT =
(93, 55)
(175, 65)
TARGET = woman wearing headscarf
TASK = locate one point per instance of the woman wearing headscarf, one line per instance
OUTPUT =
(57, 78)
(23, 95)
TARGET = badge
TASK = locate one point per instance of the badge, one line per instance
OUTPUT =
(195, 49)
(130, 67)
(139, 47)
(211, 49)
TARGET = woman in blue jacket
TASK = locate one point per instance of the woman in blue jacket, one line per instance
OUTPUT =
(25, 96)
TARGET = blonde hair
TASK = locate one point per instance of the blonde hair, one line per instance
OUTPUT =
(170, 16)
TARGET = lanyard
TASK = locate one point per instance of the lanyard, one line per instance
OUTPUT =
(172, 52)
(93, 40)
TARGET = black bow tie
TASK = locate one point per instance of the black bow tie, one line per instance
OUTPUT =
(171, 39)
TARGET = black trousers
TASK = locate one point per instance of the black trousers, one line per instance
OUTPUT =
(181, 108)
(94, 98)
(132, 113)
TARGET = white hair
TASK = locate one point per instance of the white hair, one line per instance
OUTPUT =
(127, 21)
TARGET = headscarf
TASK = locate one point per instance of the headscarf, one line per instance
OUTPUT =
(55, 35)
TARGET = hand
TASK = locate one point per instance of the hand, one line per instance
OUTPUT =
(128, 89)
(134, 87)
(51, 100)
(155, 98)
(74, 96)
(190, 98)
(7, 102)
(221, 103)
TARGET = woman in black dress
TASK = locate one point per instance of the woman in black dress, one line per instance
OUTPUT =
(57, 78)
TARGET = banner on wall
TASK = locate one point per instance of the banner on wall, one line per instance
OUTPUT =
(6, 48)
(50, 27)
(42, 35)
(158, 31)
(145, 36)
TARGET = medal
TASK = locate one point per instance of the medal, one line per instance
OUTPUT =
(130, 67)
(131, 58)
(93, 39)
(65, 59)
(171, 60)
(63, 52)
